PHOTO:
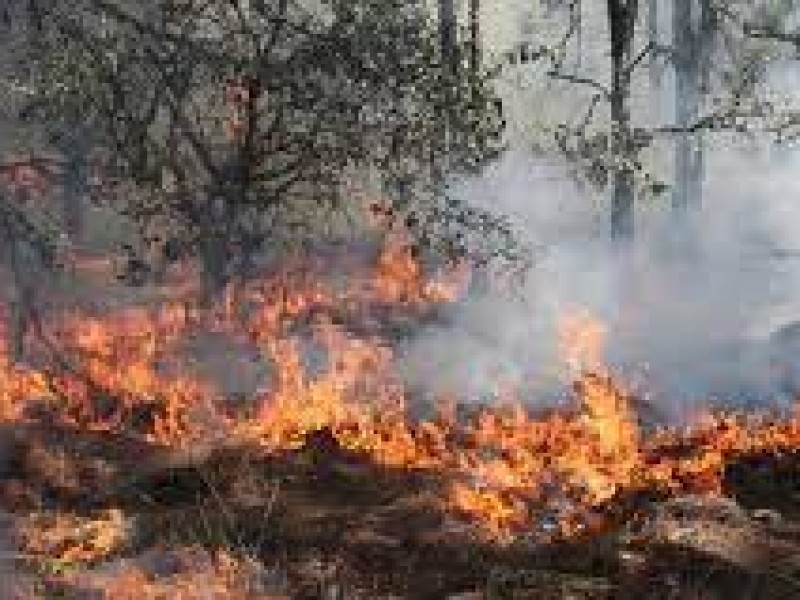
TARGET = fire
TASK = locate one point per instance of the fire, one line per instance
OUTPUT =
(399, 278)
(580, 341)
(355, 387)
(582, 459)
(505, 468)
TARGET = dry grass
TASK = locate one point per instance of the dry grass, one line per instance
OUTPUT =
(279, 528)
(185, 574)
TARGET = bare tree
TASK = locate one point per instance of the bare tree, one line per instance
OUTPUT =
(719, 71)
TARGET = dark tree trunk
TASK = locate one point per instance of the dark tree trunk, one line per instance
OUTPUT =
(243, 159)
(16, 330)
(213, 247)
(74, 184)
(16, 309)
(687, 59)
(448, 33)
(621, 19)
(226, 249)
(22, 262)
(23, 270)
(449, 55)
(479, 281)
(213, 260)
(475, 36)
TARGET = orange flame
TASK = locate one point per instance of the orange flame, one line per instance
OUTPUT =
(505, 468)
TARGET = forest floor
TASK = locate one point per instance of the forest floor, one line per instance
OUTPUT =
(100, 516)
(103, 516)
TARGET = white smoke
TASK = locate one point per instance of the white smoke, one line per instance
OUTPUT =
(692, 325)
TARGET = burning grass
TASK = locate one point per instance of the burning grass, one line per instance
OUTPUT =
(324, 456)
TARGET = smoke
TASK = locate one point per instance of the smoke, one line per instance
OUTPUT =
(688, 319)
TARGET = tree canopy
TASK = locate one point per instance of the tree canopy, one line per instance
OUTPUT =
(245, 124)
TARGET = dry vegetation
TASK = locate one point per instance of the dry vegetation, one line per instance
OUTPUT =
(234, 424)
(326, 488)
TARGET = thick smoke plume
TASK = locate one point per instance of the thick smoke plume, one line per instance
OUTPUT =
(690, 320)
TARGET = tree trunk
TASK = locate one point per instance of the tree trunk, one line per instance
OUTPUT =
(447, 33)
(479, 281)
(475, 37)
(579, 37)
(621, 19)
(23, 271)
(16, 309)
(449, 57)
(656, 70)
(213, 245)
(74, 183)
(21, 260)
(213, 269)
(688, 150)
